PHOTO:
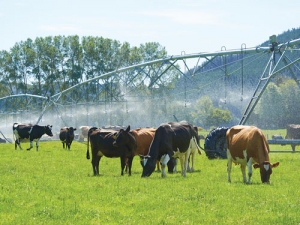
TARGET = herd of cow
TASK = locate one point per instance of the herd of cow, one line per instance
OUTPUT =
(246, 145)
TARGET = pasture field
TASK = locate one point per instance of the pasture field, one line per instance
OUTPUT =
(56, 186)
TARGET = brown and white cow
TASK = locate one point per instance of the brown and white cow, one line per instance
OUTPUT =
(247, 146)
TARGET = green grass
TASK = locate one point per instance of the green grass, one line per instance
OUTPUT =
(56, 186)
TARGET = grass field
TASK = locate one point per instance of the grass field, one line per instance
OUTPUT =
(56, 186)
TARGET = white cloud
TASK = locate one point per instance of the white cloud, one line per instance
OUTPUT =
(187, 16)
(59, 28)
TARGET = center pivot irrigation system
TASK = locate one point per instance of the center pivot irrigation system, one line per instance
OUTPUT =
(152, 73)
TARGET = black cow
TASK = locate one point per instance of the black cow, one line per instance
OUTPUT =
(140, 139)
(173, 139)
(66, 135)
(102, 145)
(31, 132)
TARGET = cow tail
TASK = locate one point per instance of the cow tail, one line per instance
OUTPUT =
(88, 144)
(200, 148)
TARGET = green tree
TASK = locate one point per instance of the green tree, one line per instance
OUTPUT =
(205, 114)
(219, 117)
(291, 99)
(271, 106)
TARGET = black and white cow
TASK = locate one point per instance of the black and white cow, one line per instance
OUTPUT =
(31, 132)
(173, 139)
(66, 135)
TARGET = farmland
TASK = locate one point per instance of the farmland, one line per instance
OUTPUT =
(56, 186)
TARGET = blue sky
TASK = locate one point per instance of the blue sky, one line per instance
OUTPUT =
(179, 25)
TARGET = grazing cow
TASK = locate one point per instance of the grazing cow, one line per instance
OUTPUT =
(247, 145)
(141, 138)
(173, 139)
(66, 136)
(31, 132)
(102, 145)
(83, 132)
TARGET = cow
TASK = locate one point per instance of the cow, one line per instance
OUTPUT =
(66, 135)
(247, 146)
(83, 132)
(102, 145)
(173, 139)
(140, 137)
(31, 132)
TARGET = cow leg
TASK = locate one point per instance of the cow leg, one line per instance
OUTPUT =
(129, 162)
(164, 161)
(95, 164)
(249, 165)
(181, 164)
(30, 147)
(163, 170)
(229, 164)
(37, 145)
(186, 162)
(175, 167)
(157, 166)
(123, 164)
(191, 169)
(243, 169)
(17, 142)
(68, 144)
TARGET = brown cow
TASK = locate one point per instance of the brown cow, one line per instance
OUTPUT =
(101, 141)
(247, 145)
(66, 135)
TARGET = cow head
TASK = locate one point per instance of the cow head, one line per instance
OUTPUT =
(121, 137)
(48, 130)
(71, 130)
(265, 170)
(148, 163)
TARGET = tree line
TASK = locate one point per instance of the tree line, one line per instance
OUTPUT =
(49, 65)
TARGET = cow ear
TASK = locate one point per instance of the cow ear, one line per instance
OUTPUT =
(256, 165)
(128, 128)
(74, 129)
(275, 164)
